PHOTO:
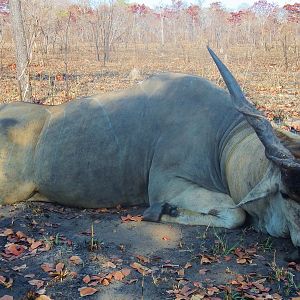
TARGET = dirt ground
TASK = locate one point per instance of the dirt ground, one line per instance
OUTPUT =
(67, 253)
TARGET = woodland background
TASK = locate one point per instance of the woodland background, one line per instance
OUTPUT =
(78, 49)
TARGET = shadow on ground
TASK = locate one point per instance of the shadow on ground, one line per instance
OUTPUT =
(158, 261)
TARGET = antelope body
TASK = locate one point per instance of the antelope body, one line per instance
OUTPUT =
(178, 143)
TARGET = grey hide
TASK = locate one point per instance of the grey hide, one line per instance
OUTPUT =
(126, 147)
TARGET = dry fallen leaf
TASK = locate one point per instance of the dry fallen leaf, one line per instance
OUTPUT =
(197, 284)
(73, 274)
(109, 264)
(143, 258)
(41, 291)
(47, 267)
(140, 268)
(180, 272)
(101, 210)
(206, 259)
(35, 245)
(131, 281)
(86, 279)
(240, 278)
(43, 297)
(244, 255)
(184, 293)
(241, 261)
(129, 217)
(126, 271)
(59, 267)
(6, 282)
(36, 282)
(7, 232)
(76, 260)
(295, 266)
(258, 284)
(19, 268)
(198, 296)
(227, 258)
(87, 291)
(249, 296)
(203, 271)
(105, 282)
(212, 290)
(118, 275)
(7, 297)
(21, 235)
(15, 249)
(95, 277)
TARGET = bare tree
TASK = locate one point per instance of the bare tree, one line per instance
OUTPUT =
(108, 25)
(21, 50)
(1, 44)
(66, 54)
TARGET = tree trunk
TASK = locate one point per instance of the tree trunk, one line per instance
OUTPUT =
(106, 50)
(21, 50)
(162, 34)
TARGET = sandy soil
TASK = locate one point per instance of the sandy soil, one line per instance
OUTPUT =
(50, 250)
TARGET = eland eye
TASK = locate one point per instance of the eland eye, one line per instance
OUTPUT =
(290, 196)
(284, 195)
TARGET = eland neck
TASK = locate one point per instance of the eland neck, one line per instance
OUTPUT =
(243, 161)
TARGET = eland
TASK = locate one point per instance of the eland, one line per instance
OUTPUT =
(189, 150)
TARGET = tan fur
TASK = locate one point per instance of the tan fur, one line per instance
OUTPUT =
(244, 155)
(38, 197)
(25, 135)
(24, 190)
(18, 143)
(56, 111)
(290, 141)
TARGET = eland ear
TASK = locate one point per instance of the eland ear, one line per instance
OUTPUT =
(290, 141)
(268, 186)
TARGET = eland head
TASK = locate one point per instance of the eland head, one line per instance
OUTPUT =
(286, 192)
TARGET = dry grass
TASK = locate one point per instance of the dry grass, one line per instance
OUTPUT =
(262, 74)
